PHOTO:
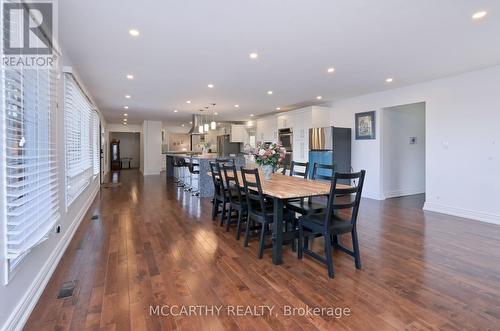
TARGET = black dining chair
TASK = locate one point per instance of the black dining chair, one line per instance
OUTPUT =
(296, 172)
(313, 205)
(331, 223)
(220, 192)
(224, 160)
(237, 199)
(258, 210)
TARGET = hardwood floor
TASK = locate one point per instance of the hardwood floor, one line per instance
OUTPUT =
(155, 245)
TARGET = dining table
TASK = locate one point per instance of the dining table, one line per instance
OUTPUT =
(281, 188)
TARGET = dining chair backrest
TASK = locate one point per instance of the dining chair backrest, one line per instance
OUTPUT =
(217, 179)
(318, 174)
(342, 198)
(253, 190)
(225, 160)
(298, 173)
(232, 182)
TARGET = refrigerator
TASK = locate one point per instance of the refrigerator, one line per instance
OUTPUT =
(330, 145)
(225, 147)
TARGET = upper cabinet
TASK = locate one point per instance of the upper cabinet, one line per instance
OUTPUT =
(267, 130)
(239, 134)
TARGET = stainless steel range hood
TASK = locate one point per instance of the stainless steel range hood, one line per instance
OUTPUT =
(196, 123)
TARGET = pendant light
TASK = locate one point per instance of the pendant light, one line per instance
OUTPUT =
(213, 124)
(200, 128)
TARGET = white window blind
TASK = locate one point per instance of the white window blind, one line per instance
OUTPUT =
(96, 151)
(78, 139)
(31, 190)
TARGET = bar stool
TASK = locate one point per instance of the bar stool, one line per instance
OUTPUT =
(179, 169)
(194, 178)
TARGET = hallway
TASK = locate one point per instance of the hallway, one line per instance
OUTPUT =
(156, 245)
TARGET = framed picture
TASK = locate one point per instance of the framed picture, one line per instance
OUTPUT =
(365, 125)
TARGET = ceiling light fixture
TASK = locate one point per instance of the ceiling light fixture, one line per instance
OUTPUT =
(251, 115)
(330, 70)
(236, 106)
(125, 107)
(389, 80)
(125, 114)
(134, 32)
(189, 101)
(182, 125)
(129, 76)
(216, 113)
(253, 55)
(175, 111)
(319, 97)
(127, 96)
(210, 85)
(190, 122)
(269, 92)
(278, 108)
(478, 15)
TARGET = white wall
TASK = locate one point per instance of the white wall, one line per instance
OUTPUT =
(462, 141)
(18, 298)
(403, 163)
(129, 146)
(151, 142)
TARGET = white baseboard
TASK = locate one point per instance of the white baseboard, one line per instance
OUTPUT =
(403, 192)
(460, 212)
(23, 310)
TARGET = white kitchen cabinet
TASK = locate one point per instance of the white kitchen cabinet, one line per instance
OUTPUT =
(239, 134)
(267, 129)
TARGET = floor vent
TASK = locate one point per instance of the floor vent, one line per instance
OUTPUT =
(66, 290)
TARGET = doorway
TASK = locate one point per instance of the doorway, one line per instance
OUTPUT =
(403, 150)
(130, 148)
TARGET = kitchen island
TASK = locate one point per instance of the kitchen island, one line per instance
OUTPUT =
(202, 181)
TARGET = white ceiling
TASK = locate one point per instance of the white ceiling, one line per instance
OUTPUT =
(186, 44)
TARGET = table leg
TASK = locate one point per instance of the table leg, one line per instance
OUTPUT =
(277, 235)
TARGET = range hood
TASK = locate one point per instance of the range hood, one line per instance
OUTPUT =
(196, 123)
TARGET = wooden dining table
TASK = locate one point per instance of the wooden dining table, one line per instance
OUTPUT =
(281, 188)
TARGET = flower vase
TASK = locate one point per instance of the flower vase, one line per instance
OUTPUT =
(268, 170)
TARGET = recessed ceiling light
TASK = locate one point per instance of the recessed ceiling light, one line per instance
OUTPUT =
(319, 97)
(125, 107)
(134, 32)
(190, 122)
(389, 80)
(278, 108)
(330, 70)
(175, 111)
(237, 106)
(479, 15)
(269, 92)
(127, 96)
(216, 113)
(253, 55)
(251, 115)
(189, 101)
(129, 76)
(125, 114)
(182, 125)
(124, 123)
(210, 85)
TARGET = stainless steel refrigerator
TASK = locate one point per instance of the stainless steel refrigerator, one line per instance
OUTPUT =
(225, 147)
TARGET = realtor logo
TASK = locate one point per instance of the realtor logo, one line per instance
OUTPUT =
(28, 31)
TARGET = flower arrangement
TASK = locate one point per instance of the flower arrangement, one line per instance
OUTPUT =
(268, 154)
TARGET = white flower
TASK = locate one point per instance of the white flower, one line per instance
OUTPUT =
(274, 152)
(262, 152)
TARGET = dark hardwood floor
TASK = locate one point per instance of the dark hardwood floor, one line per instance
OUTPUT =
(155, 245)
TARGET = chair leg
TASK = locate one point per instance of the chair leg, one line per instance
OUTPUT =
(335, 240)
(328, 253)
(355, 246)
(300, 251)
(229, 216)
(215, 207)
(238, 226)
(262, 240)
(223, 215)
(247, 232)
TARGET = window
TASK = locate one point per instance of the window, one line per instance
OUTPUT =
(29, 158)
(81, 124)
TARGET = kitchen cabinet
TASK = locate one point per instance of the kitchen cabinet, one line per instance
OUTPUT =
(239, 134)
(267, 130)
